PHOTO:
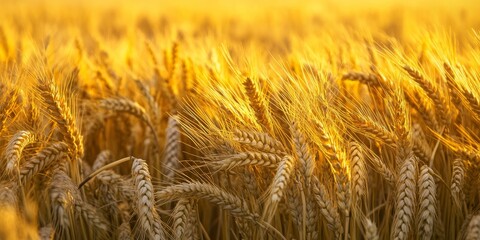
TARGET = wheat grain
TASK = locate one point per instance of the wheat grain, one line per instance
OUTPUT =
(343, 188)
(46, 233)
(145, 199)
(174, 60)
(62, 114)
(7, 107)
(458, 177)
(425, 109)
(293, 201)
(371, 231)
(127, 106)
(385, 171)
(405, 199)
(420, 145)
(473, 231)
(427, 201)
(249, 158)
(257, 102)
(119, 104)
(359, 171)
(311, 217)
(432, 91)
(259, 141)
(103, 158)
(340, 170)
(306, 162)
(181, 218)
(374, 129)
(173, 150)
(152, 104)
(472, 103)
(8, 195)
(62, 199)
(365, 78)
(187, 75)
(41, 160)
(92, 216)
(124, 231)
(327, 209)
(193, 231)
(14, 150)
(282, 177)
(227, 201)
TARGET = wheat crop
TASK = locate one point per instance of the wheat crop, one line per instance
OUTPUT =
(239, 120)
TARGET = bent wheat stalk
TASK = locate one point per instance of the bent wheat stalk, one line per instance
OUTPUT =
(119, 104)
(110, 165)
(235, 205)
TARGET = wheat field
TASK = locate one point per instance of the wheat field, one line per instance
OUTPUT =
(239, 120)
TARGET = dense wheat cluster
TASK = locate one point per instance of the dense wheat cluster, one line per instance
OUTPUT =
(254, 120)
